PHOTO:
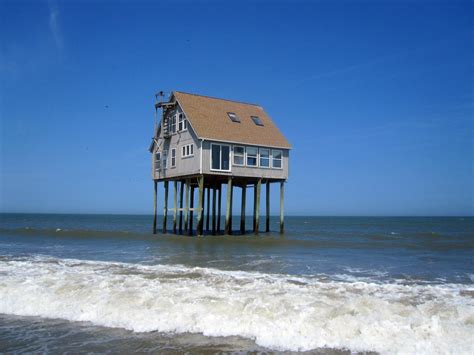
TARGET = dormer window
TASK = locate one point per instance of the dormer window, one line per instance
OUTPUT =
(257, 120)
(233, 117)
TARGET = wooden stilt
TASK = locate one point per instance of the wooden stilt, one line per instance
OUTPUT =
(155, 183)
(257, 205)
(282, 217)
(228, 214)
(254, 206)
(175, 205)
(200, 205)
(186, 209)
(165, 207)
(242, 210)
(191, 213)
(231, 207)
(214, 211)
(267, 207)
(208, 207)
(181, 193)
(219, 208)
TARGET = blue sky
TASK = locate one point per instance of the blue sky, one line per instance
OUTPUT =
(376, 98)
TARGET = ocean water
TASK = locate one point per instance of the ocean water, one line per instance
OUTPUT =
(330, 285)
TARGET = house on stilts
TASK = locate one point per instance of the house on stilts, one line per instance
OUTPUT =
(201, 143)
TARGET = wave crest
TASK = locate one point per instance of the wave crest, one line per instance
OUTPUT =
(277, 311)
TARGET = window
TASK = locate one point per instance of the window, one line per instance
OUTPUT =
(172, 124)
(220, 157)
(233, 117)
(264, 158)
(252, 156)
(239, 155)
(173, 158)
(165, 160)
(182, 122)
(187, 150)
(157, 161)
(257, 120)
(276, 159)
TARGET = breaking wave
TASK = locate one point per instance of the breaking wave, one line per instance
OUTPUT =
(280, 312)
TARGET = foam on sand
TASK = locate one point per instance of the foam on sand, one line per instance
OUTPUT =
(277, 311)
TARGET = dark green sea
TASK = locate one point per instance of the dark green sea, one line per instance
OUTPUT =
(103, 283)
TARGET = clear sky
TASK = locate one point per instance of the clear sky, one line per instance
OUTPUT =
(376, 98)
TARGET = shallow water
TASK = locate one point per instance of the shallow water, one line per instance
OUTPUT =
(96, 283)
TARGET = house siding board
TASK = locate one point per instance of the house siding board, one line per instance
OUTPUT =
(244, 171)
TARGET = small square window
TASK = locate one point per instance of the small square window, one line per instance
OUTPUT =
(233, 117)
(257, 120)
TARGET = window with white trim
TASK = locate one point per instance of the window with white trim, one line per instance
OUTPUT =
(157, 161)
(264, 157)
(239, 155)
(277, 159)
(252, 154)
(187, 150)
(165, 160)
(182, 122)
(173, 158)
(220, 157)
(172, 124)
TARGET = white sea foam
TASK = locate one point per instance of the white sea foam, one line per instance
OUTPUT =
(277, 311)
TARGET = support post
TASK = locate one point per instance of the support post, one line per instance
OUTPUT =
(208, 207)
(214, 211)
(219, 208)
(267, 207)
(282, 217)
(258, 188)
(254, 206)
(165, 207)
(175, 205)
(155, 183)
(191, 213)
(200, 205)
(242, 210)
(186, 209)
(228, 214)
(181, 193)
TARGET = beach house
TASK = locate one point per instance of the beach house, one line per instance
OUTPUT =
(202, 143)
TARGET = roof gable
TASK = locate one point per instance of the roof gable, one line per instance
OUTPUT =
(209, 119)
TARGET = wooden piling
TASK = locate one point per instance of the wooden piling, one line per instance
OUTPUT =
(200, 205)
(282, 218)
(219, 208)
(257, 205)
(186, 209)
(214, 211)
(165, 207)
(208, 207)
(155, 183)
(181, 193)
(267, 207)
(242, 210)
(175, 205)
(228, 214)
(191, 213)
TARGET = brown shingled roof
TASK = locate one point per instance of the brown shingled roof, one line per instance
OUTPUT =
(209, 119)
